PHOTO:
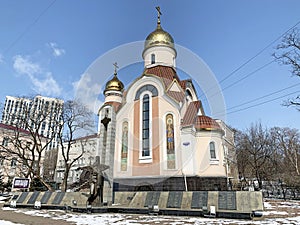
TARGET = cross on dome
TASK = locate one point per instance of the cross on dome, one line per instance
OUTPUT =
(158, 16)
(159, 48)
(116, 68)
(114, 84)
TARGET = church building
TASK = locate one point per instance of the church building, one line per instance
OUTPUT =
(155, 135)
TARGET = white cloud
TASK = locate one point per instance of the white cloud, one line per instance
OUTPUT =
(48, 85)
(43, 82)
(1, 58)
(87, 91)
(56, 51)
(23, 65)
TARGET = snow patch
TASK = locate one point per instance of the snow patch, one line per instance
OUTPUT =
(4, 222)
(267, 205)
(274, 213)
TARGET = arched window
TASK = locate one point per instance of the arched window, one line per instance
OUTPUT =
(152, 58)
(148, 87)
(146, 126)
(170, 141)
(212, 150)
(124, 150)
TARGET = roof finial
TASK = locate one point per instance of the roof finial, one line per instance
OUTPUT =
(158, 17)
(116, 68)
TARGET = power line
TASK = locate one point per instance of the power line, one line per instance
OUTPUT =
(265, 96)
(256, 55)
(262, 103)
(243, 78)
(259, 98)
(248, 75)
(29, 26)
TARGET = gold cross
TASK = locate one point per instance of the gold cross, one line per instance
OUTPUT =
(158, 12)
(116, 67)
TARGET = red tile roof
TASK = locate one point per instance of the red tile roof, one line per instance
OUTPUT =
(206, 123)
(178, 96)
(183, 84)
(191, 113)
(166, 73)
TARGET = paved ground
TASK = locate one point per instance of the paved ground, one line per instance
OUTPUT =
(16, 217)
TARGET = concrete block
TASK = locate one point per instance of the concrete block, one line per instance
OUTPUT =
(123, 198)
(256, 201)
(163, 200)
(138, 200)
(186, 202)
(71, 197)
(243, 201)
(212, 199)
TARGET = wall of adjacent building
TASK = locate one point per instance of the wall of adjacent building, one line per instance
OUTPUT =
(11, 165)
(89, 146)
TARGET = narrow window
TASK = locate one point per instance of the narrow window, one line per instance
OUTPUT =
(170, 142)
(212, 150)
(124, 150)
(152, 58)
(13, 162)
(5, 141)
(146, 127)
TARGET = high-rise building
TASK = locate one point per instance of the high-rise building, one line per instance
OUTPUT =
(40, 113)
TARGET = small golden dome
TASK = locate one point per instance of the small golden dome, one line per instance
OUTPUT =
(159, 37)
(114, 84)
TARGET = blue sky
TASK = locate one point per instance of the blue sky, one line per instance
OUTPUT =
(46, 47)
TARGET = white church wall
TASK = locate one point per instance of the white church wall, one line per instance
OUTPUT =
(113, 96)
(206, 165)
(163, 56)
(188, 161)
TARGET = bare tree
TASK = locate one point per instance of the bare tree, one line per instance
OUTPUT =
(254, 152)
(288, 143)
(76, 119)
(288, 53)
(27, 143)
(242, 154)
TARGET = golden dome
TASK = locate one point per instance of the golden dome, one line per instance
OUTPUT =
(114, 84)
(159, 37)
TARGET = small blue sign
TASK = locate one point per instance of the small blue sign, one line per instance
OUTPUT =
(186, 143)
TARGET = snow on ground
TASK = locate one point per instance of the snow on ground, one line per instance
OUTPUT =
(3, 199)
(291, 204)
(276, 213)
(3, 222)
(267, 205)
(125, 219)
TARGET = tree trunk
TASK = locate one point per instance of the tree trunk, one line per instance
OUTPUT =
(65, 180)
